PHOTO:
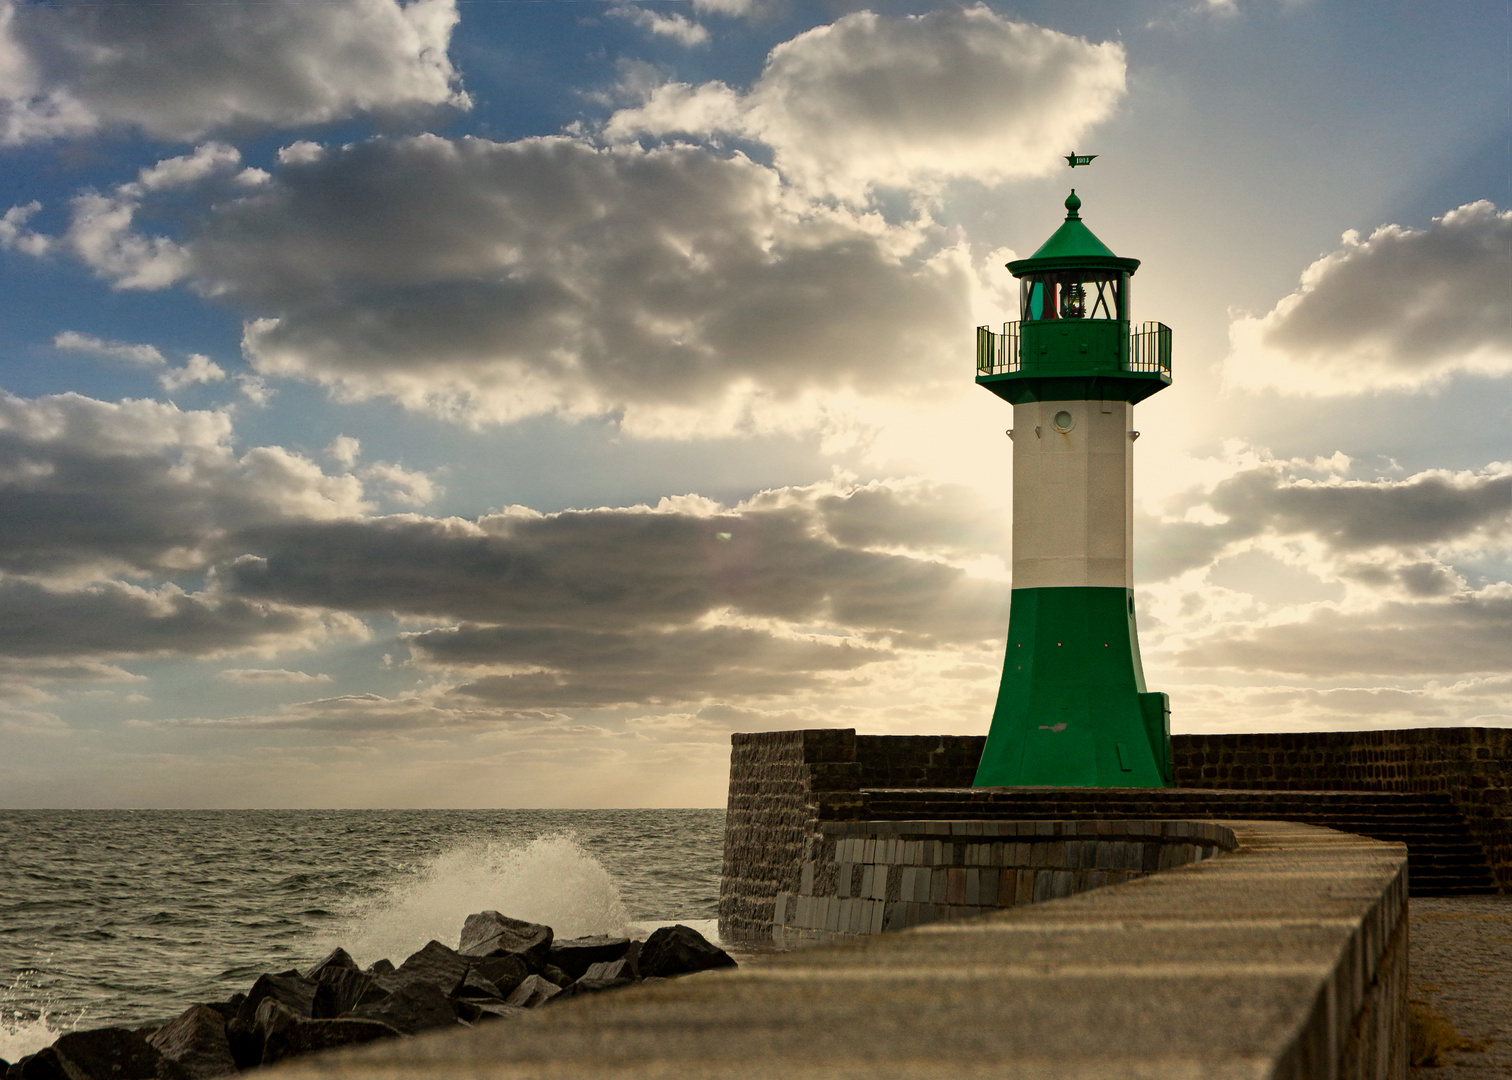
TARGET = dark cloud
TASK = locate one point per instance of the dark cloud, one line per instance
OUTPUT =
(89, 486)
(584, 668)
(618, 570)
(113, 619)
(498, 280)
(1427, 509)
(176, 69)
(1467, 634)
(1401, 308)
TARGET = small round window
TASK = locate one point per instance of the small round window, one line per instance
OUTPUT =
(1063, 421)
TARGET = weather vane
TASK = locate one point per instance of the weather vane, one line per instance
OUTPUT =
(1074, 160)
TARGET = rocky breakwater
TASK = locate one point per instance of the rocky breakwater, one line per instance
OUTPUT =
(501, 968)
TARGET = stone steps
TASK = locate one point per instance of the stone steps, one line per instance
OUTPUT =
(1444, 859)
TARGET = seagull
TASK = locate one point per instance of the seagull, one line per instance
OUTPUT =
(1074, 160)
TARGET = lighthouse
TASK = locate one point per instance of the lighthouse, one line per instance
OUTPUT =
(1072, 709)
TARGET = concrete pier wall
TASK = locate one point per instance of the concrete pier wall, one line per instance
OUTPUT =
(1285, 958)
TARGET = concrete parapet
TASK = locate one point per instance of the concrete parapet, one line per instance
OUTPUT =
(867, 877)
(1285, 958)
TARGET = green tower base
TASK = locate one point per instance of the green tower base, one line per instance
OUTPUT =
(1072, 710)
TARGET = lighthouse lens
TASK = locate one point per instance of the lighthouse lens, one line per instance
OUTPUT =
(1062, 421)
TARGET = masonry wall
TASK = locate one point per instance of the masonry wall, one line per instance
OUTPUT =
(867, 877)
(1473, 766)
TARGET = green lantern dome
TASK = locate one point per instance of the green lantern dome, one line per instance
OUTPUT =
(1072, 245)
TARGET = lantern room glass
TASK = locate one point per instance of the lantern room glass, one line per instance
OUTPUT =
(1074, 294)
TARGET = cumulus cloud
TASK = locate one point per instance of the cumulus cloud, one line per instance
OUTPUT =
(115, 619)
(1401, 309)
(677, 289)
(1349, 518)
(1468, 633)
(178, 69)
(678, 28)
(138, 355)
(908, 102)
(89, 487)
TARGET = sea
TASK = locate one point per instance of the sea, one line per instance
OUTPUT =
(126, 917)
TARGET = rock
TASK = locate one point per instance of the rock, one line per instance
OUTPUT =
(490, 934)
(679, 950)
(434, 965)
(553, 974)
(229, 1007)
(289, 989)
(296, 1037)
(533, 991)
(43, 1065)
(341, 990)
(576, 954)
(113, 1053)
(197, 1041)
(379, 967)
(476, 987)
(619, 970)
(413, 1007)
(338, 960)
(498, 1010)
(505, 972)
(585, 985)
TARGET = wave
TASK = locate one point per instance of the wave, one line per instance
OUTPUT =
(25, 1031)
(552, 879)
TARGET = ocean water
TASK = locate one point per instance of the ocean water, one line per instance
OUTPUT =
(126, 917)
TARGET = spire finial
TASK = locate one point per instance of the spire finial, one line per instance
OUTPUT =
(1073, 204)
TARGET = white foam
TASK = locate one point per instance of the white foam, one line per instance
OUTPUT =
(552, 880)
(21, 1033)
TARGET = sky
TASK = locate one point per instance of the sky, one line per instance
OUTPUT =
(455, 403)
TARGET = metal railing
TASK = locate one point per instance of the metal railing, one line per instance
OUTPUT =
(1150, 348)
(998, 353)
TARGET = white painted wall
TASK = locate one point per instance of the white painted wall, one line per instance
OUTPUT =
(1073, 495)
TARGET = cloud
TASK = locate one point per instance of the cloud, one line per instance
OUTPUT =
(90, 488)
(679, 290)
(114, 619)
(1404, 308)
(1465, 634)
(619, 569)
(197, 369)
(178, 69)
(138, 355)
(269, 677)
(679, 28)
(1347, 517)
(908, 102)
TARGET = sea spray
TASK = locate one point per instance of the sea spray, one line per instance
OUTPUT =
(29, 1019)
(551, 879)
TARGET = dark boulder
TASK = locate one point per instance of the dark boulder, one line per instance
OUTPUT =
(476, 988)
(679, 950)
(196, 1041)
(379, 967)
(43, 1065)
(289, 989)
(292, 1036)
(337, 960)
(532, 992)
(620, 970)
(435, 965)
(505, 972)
(113, 1053)
(490, 934)
(575, 954)
(553, 974)
(341, 990)
(412, 1008)
(498, 1010)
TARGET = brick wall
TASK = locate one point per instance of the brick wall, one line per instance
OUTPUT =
(915, 761)
(1473, 766)
(781, 784)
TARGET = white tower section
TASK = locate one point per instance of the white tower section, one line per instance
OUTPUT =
(1073, 494)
